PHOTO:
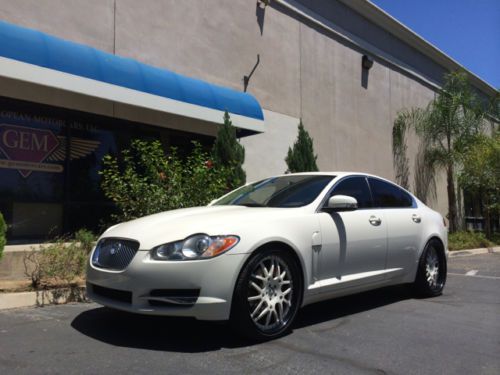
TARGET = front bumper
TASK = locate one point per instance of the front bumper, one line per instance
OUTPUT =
(144, 286)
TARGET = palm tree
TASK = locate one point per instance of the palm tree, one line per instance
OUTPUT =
(445, 129)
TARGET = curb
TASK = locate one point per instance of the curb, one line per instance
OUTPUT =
(29, 247)
(42, 298)
(469, 252)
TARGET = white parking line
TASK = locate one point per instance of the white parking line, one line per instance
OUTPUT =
(476, 276)
(471, 273)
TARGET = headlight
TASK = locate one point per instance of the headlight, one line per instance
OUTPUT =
(199, 246)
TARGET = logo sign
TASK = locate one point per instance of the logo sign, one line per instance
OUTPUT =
(28, 149)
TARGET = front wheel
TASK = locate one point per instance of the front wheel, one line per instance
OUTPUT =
(431, 274)
(267, 295)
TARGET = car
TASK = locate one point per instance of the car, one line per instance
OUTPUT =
(259, 253)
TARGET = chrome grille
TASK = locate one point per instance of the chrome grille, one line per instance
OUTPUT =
(114, 254)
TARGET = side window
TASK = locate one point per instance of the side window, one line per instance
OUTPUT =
(387, 195)
(355, 187)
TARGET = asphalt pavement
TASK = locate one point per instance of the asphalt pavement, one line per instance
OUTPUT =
(386, 331)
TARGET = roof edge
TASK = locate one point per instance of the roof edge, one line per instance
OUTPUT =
(384, 20)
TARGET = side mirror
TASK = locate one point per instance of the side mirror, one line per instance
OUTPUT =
(342, 203)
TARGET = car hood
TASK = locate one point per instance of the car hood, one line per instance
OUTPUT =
(176, 225)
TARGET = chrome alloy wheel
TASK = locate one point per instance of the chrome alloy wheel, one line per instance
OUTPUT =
(270, 293)
(432, 267)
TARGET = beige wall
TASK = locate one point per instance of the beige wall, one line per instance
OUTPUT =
(88, 22)
(303, 72)
(265, 153)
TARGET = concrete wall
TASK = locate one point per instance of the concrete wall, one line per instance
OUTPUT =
(265, 153)
(216, 41)
(89, 22)
(303, 73)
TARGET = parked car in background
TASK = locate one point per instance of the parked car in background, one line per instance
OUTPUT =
(259, 253)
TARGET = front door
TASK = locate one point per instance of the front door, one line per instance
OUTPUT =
(354, 243)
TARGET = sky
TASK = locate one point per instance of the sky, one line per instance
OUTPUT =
(466, 30)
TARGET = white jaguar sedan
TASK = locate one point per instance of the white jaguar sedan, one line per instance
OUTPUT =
(259, 253)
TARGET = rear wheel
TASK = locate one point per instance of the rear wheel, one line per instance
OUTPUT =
(431, 274)
(267, 295)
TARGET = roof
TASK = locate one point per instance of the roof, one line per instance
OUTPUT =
(384, 20)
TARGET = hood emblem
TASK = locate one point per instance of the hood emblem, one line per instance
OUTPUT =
(115, 249)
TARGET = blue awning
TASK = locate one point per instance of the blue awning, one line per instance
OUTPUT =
(46, 51)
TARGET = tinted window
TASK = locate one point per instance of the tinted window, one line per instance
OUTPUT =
(355, 187)
(285, 191)
(388, 195)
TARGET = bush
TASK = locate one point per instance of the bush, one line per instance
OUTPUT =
(62, 262)
(143, 181)
(468, 240)
(301, 157)
(3, 230)
(480, 175)
(227, 152)
(85, 239)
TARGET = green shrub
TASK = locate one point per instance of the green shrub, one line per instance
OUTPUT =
(480, 175)
(62, 262)
(3, 230)
(468, 240)
(143, 180)
(230, 154)
(86, 239)
(300, 157)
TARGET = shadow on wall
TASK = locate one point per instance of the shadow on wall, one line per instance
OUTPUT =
(186, 335)
(364, 78)
(260, 13)
(366, 64)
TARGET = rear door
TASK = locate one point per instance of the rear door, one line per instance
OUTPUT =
(404, 224)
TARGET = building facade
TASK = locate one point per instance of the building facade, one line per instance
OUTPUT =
(344, 67)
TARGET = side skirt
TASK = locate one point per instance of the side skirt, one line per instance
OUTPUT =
(350, 284)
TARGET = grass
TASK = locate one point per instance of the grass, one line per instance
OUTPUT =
(471, 240)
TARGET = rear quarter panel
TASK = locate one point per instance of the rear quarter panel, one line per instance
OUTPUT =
(433, 227)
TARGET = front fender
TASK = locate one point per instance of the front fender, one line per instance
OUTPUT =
(295, 233)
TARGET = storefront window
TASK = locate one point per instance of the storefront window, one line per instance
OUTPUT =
(49, 166)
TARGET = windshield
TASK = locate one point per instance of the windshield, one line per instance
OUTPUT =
(285, 191)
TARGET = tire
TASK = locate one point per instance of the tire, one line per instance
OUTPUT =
(431, 273)
(267, 295)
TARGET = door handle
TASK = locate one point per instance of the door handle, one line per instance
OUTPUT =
(375, 220)
(416, 218)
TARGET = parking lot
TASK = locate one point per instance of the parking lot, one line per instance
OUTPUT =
(386, 331)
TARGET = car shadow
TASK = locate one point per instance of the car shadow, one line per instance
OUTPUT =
(192, 336)
(338, 308)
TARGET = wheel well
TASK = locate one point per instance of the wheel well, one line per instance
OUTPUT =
(441, 249)
(438, 240)
(285, 247)
(276, 245)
